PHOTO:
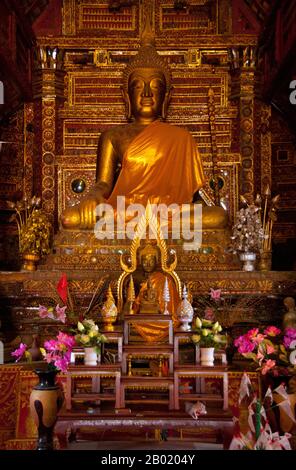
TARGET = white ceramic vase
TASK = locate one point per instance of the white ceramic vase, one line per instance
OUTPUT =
(249, 260)
(207, 356)
(90, 357)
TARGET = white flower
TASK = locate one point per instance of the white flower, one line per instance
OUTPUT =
(80, 326)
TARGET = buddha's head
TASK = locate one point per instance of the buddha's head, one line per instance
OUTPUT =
(147, 82)
(149, 258)
(149, 263)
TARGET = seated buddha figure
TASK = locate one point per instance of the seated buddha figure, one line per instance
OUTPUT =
(150, 299)
(159, 162)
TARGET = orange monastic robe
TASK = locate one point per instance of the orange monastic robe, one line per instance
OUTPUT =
(161, 164)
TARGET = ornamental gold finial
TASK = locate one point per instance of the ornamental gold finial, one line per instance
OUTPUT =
(109, 311)
(131, 295)
(148, 36)
(131, 290)
(147, 56)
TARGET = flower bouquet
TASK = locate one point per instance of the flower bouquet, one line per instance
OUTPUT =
(207, 333)
(247, 232)
(208, 337)
(34, 230)
(56, 352)
(91, 339)
(269, 349)
(89, 335)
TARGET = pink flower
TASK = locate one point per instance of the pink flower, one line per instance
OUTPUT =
(269, 364)
(62, 363)
(258, 339)
(215, 294)
(19, 352)
(260, 357)
(272, 331)
(244, 345)
(61, 313)
(270, 349)
(49, 313)
(251, 334)
(50, 345)
(58, 351)
(290, 335)
(43, 312)
(68, 340)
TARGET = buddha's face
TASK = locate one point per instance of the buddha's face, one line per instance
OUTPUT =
(147, 90)
(148, 263)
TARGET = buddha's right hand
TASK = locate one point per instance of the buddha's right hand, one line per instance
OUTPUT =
(82, 216)
(87, 209)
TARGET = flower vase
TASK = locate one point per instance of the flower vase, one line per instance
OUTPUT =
(35, 350)
(30, 261)
(91, 356)
(248, 259)
(207, 357)
(46, 400)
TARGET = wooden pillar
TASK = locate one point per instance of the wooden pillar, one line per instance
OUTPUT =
(48, 89)
(246, 112)
(254, 133)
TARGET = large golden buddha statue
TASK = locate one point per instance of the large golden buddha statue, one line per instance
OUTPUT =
(159, 162)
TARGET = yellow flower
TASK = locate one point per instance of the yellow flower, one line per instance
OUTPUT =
(198, 322)
(205, 332)
(84, 339)
(196, 338)
(216, 327)
(28, 356)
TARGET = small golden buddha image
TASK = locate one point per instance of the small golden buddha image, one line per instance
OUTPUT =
(148, 299)
(159, 161)
(289, 319)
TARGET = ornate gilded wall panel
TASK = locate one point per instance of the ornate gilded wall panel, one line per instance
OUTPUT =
(48, 155)
(99, 88)
(93, 17)
(284, 176)
(265, 138)
(11, 176)
(199, 17)
(28, 149)
(69, 28)
(97, 16)
(70, 178)
(247, 146)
